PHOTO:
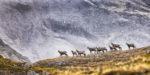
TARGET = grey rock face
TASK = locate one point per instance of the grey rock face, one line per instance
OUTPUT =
(38, 28)
(7, 52)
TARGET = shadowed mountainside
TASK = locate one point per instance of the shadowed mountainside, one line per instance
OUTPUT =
(7, 52)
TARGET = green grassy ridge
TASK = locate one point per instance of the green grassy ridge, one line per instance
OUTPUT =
(134, 66)
(114, 62)
(7, 64)
(129, 62)
(115, 56)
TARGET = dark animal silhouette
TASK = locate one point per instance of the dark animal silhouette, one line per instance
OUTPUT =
(80, 53)
(131, 45)
(62, 53)
(117, 46)
(103, 49)
(112, 48)
(92, 49)
(74, 53)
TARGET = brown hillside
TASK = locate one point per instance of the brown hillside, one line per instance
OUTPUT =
(99, 59)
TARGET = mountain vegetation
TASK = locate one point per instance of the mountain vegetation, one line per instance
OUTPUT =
(129, 62)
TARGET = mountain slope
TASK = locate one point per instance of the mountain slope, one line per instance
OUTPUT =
(37, 29)
(116, 56)
(130, 62)
(7, 52)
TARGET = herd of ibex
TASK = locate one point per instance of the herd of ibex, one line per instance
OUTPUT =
(113, 47)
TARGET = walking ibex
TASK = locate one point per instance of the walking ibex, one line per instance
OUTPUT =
(112, 48)
(131, 45)
(92, 49)
(103, 49)
(116, 46)
(62, 53)
(74, 53)
(80, 53)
